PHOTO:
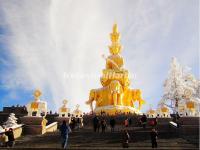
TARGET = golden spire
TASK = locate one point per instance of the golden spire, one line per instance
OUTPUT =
(115, 47)
(115, 35)
(37, 93)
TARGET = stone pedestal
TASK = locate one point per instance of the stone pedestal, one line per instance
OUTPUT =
(61, 119)
(34, 125)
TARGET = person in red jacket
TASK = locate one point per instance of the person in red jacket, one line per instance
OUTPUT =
(126, 122)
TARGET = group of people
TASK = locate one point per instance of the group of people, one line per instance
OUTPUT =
(97, 123)
(102, 123)
(75, 123)
(143, 121)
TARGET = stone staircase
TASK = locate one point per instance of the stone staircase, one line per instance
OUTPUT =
(168, 137)
(87, 139)
(140, 139)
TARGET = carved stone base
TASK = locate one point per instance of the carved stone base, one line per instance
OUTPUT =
(34, 125)
(112, 110)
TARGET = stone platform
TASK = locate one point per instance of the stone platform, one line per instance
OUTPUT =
(34, 125)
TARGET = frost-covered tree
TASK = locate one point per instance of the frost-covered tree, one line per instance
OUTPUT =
(179, 85)
(174, 84)
(11, 122)
(191, 84)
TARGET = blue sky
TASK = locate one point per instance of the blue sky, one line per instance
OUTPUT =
(43, 41)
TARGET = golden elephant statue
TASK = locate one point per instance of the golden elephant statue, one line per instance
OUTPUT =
(131, 96)
(114, 94)
(109, 95)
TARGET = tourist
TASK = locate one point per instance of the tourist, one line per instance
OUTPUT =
(98, 125)
(65, 130)
(103, 125)
(155, 122)
(126, 122)
(143, 121)
(78, 123)
(73, 123)
(130, 121)
(11, 139)
(177, 116)
(95, 123)
(126, 138)
(112, 124)
(154, 136)
(151, 122)
(2, 138)
(177, 119)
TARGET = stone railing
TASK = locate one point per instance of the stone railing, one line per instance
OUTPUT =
(52, 127)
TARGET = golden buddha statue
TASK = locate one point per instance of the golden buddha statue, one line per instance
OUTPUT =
(115, 95)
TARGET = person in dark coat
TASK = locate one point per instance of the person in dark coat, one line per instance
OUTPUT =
(73, 123)
(177, 119)
(64, 130)
(95, 123)
(112, 124)
(11, 139)
(144, 121)
(98, 125)
(130, 121)
(126, 138)
(154, 136)
(103, 125)
(155, 122)
(78, 123)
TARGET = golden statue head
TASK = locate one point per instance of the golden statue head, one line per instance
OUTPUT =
(115, 48)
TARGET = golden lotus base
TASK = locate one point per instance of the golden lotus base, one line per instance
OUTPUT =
(112, 110)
